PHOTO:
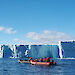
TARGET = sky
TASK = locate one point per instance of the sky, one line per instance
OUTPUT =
(36, 21)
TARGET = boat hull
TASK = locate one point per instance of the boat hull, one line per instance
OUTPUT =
(23, 61)
(39, 63)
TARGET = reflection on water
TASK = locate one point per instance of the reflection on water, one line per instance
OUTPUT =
(12, 67)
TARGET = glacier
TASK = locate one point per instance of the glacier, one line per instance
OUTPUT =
(68, 49)
(38, 51)
(64, 49)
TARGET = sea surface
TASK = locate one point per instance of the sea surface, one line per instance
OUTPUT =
(12, 67)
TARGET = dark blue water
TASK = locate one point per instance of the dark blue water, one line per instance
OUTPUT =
(12, 67)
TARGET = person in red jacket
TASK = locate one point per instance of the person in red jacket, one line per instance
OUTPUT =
(48, 59)
(41, 59)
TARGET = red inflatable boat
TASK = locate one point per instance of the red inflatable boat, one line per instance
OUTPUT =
(39, 63)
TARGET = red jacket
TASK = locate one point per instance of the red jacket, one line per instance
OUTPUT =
(48, 59)
(41, 59)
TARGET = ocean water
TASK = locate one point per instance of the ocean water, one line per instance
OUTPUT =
(12, 67)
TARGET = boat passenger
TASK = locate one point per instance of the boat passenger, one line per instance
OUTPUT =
(48, 59)
(41, 59)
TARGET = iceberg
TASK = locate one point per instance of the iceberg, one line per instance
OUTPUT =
(65, 49)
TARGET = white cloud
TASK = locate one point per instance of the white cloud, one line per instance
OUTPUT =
(33, 35)
(10, 31)
(49, 37)
(7, 30)
(1, 28)
(18, 41)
